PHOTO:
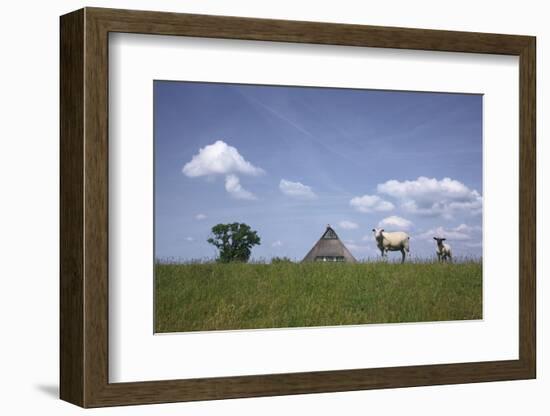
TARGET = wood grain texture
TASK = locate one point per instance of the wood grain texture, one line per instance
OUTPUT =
(162, 23)
(528, 207)
(84, 207)
(71, 208)
(96, 208)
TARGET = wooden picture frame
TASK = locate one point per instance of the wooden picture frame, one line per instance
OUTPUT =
(84, 207)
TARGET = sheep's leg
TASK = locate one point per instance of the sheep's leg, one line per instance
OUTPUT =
(402, 256)
(407, 247)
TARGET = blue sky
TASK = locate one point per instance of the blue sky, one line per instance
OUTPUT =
(290, 160)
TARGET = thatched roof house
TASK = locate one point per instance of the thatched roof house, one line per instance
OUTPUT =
(329, 248)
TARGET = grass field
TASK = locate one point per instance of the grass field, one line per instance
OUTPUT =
(212, 296)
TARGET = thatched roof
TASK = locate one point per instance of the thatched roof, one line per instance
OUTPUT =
(329, 248)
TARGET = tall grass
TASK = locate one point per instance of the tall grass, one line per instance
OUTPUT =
(212, 296)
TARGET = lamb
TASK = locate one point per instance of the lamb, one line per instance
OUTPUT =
(443, 250)
(394, 241)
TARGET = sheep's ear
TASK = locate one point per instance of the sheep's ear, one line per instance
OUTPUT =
(435, 238)
(443, 239)
(373, 230)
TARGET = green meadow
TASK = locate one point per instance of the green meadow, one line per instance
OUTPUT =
(215, 296)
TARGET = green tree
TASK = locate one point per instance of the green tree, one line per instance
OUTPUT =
(234, 241)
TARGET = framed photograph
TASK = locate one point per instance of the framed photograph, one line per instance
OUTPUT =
(255, 207)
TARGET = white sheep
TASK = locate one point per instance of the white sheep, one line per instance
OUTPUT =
(443, 250)
(394, 241)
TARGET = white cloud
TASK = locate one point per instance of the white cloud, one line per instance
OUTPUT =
(296, 190)
(200, 217)
(277, 243)
(359, 248)
(233, 186)
(190, 239)
(461, 232)
(395, 221)
(219, 159)
(477, 244)
(432, 197)
(348, 225)
(370, 203)
(467, 228)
